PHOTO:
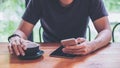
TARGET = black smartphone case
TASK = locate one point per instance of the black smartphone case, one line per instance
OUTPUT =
(59, 53)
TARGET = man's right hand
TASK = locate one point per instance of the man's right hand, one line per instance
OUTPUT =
(16, 46)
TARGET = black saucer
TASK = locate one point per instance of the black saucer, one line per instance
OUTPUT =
(31, 57)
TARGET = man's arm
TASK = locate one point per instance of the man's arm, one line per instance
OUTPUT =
(24, 29)
(86, 47)
(16, 42)
(30, 18)
(104, 33)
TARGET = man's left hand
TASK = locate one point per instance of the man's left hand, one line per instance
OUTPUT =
(84, 47)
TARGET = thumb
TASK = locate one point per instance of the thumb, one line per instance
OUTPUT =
(80, 40)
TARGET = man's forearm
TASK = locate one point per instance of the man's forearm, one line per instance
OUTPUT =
(102, 39)
(24, 29)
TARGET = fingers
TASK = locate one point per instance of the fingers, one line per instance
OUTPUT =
(79, 53)
(23, 44)
(10, 49)
(16, 46)
(21, 51)
(80, 49)
(75, 52)
(74, 47)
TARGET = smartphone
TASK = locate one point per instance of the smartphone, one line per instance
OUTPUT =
(71, 41)
(59, 53)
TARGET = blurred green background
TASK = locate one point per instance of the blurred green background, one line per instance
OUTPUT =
(12, 10)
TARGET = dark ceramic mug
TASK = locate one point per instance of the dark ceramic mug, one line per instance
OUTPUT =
(32, 51)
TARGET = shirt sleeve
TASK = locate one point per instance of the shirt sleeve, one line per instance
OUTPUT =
(97, 10)
(33, 12)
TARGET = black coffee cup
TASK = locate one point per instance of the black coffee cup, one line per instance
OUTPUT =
(32, 52)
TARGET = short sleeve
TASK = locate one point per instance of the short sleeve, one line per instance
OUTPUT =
(97, 10)
(33, 12)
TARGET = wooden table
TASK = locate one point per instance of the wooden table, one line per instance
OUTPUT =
(107, 57)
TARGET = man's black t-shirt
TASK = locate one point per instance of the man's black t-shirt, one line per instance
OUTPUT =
(61, 22)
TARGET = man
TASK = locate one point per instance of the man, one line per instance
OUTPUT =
(64, 19)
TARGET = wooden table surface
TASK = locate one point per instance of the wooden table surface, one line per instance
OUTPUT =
(107, 57)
